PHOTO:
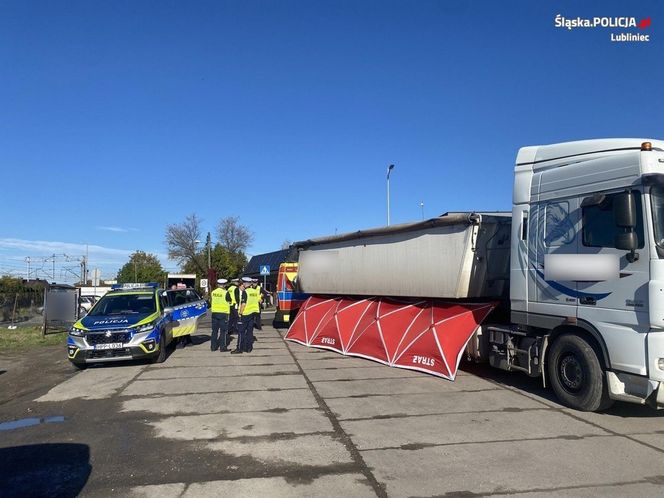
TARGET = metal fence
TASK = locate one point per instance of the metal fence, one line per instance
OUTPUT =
(22, 308)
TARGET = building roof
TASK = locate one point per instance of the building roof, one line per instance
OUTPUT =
(273, 259)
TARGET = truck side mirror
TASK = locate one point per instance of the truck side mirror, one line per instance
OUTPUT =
(624, 210)
(626, 241)
(624, 215)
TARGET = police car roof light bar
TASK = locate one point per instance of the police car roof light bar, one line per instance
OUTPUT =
(135, 285)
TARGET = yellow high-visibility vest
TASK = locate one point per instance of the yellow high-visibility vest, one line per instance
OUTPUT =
(231, 290)
(219, 302)
(252, 305)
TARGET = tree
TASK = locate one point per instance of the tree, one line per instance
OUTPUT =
(226, 264)
(182, 240)
(233, 236)
(142, 267)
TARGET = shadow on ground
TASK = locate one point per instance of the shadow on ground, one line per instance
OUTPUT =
(59, 469)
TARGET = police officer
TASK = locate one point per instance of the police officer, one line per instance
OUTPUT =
(258, 321)
(221, 307)
(245, 323)
(232, 319)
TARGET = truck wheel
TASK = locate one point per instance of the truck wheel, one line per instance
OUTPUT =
(161, 357)
(576, 375)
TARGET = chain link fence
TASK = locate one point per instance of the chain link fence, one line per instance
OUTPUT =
(22, 307)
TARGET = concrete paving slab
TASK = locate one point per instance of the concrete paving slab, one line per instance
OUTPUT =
(218, 371)
(206, 353)
(211, 385)
(213, 426)
(430, 403)
(212, 361)
(222, 402)
(375, 372)
(94, 383)
(341, 362)
(465, 428)
(513, 466)
(281, 487)
(317, 450)
(420, 384)
(625, 419)
(611, 490)
(308, 354)
(656, 440)
(153, 491)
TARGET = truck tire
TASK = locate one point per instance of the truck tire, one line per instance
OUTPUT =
(161, 356)
(576, 374)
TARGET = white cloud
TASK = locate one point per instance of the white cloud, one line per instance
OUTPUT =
(116, 229)
(97, 254)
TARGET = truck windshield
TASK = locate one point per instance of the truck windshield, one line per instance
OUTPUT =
(124, 304)
(657, 203)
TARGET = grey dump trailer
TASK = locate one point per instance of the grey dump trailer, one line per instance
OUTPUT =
(455, 256)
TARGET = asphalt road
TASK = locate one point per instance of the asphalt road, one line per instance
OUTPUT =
(286, 420)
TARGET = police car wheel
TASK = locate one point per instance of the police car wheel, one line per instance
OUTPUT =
(161, 356)
(80, 366)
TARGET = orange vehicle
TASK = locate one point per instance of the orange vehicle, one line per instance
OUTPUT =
(288, 299)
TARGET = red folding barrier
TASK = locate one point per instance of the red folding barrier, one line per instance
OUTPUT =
(428, 335)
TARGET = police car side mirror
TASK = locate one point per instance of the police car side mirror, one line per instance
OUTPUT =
(168, 311)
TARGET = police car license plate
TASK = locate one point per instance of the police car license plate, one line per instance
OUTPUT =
(111, 345)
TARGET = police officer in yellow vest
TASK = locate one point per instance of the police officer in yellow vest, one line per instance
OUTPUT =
(221, 308)
(258, 323)
(248, 308)
(233, 291)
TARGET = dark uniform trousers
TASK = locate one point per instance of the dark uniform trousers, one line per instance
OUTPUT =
(232, 321)
(258, 321)
(246, 334)
(219, 339)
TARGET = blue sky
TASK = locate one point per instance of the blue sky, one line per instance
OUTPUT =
(118, 118)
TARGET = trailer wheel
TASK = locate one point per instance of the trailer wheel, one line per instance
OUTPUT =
(576, 375)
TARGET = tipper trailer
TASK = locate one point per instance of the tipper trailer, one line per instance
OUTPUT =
(576, 275)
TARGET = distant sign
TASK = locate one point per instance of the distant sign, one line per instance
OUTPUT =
(265, 269)
(204, 283)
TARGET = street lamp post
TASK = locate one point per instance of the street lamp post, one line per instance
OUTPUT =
(208, 242)
(422, 208)
(389, 170)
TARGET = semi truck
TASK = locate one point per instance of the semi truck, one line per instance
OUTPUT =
(576, 270)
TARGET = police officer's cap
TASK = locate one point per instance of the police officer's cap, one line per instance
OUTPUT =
(222, 281)
(246, 280)
(235, 280)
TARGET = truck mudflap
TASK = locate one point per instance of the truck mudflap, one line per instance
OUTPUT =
(427, 335)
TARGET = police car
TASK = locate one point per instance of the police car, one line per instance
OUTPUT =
(134, 321)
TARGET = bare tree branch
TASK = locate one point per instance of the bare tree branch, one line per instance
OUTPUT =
(233, 236)
(181, 242)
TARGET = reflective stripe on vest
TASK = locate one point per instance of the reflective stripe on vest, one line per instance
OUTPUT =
(252, 305)
(219, 303)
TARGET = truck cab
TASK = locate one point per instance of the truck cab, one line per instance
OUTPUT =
(587, 271)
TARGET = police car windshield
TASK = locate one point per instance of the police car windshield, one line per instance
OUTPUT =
(124, 304)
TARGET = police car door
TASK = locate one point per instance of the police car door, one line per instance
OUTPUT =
(188, 307)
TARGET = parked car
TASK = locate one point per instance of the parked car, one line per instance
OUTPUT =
(134, 321)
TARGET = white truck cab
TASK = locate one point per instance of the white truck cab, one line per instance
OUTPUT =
(587, 271)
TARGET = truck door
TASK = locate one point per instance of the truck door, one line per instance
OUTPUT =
(556, 233)
(188, 308)
(617, 307)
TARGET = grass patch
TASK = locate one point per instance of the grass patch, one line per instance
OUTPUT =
(29, 337)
